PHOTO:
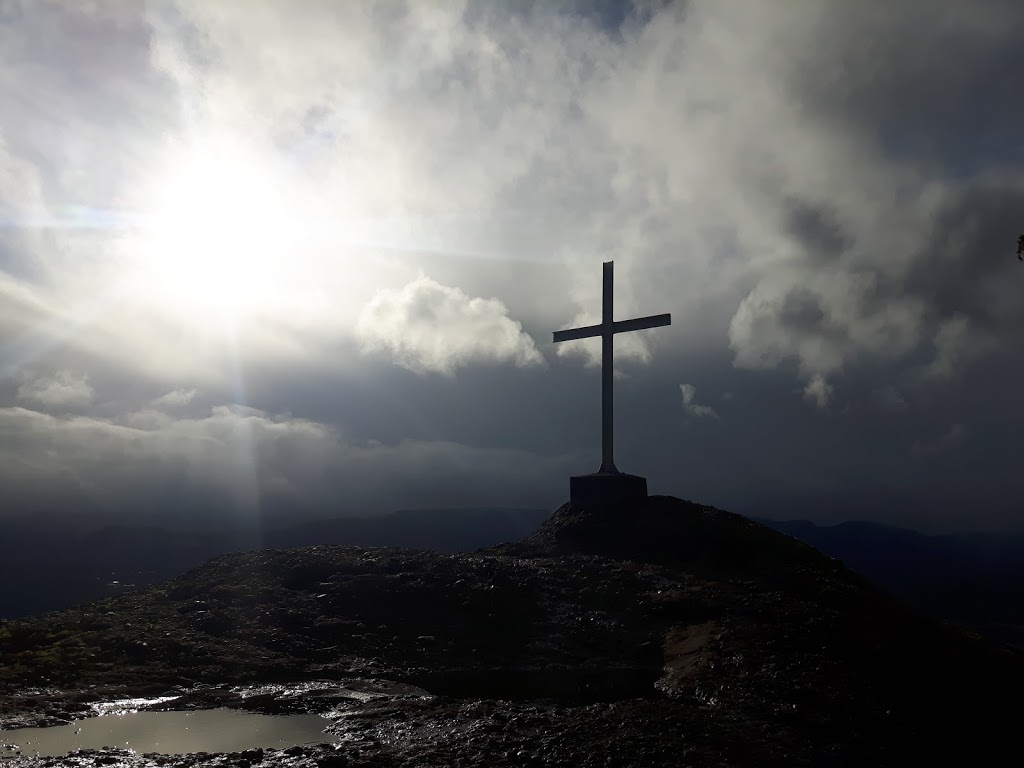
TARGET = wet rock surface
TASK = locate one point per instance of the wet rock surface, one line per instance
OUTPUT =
(661, 633)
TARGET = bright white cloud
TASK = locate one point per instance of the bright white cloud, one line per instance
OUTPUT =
(61, 389)
(432, 328)
(693, 408)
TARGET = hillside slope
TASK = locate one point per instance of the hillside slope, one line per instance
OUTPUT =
(659, 633)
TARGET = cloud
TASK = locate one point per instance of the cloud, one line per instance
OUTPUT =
(689, 392)
(950, 343)
(823, 322)
(432, 328)
(967, 267)
(175, 398)
(242, 461)
(943, 442)
(889, 398)
(62, 388)
(754, 169)
(21, 199)
(818, 390)
(638, 149)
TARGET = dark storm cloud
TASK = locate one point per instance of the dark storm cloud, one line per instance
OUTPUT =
(802, 310)
(817, 228)
(609, 15)
(937, 84)
(967, 265)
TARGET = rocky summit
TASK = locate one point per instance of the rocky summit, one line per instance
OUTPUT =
(653, 633)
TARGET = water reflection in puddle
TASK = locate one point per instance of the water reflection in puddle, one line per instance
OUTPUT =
(206, 730)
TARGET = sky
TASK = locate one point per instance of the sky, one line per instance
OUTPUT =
(266, 261)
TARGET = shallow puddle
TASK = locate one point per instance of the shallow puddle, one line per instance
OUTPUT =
(171, 732)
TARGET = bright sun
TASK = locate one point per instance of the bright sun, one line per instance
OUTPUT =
(218, 231)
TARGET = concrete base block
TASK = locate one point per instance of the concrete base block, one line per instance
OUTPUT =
(605, 488)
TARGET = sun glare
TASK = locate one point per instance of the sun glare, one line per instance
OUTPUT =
(218, 231)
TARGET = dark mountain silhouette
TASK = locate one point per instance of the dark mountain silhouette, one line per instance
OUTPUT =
(654, 633)
(976, 579)
(56, 568)
(442, 530)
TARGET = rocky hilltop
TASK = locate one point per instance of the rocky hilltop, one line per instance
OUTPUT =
(659, 633)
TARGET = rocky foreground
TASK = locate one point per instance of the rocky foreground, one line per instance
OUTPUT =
(663, 633)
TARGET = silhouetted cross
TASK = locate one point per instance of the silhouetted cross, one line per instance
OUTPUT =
(607, 330)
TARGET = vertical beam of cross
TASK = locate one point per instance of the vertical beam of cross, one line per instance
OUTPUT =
(607, 330)
(607, 366)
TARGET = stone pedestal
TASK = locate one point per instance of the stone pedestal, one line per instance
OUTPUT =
(605, 488)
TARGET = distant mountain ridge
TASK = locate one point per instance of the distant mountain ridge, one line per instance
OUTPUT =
(50, 569)
(976, 579)
(443, 530)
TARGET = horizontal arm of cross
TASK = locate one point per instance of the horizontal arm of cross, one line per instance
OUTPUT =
(620, 326)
